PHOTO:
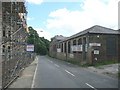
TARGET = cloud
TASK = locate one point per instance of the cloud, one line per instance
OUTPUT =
(94, 12)
(35, 1)
(30, 18)
(43, 33)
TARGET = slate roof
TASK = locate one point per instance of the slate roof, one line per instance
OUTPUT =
(95, 29)
(59, 38)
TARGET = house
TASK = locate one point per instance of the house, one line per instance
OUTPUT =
(95, 44)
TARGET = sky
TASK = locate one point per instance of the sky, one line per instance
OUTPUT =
(68, 17)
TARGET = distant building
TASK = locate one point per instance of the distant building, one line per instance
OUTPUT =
(55, 46)
(95, 44)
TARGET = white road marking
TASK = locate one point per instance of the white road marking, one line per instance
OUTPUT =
(51, 61)
(91, 86)
(69, 73)
(57, 65)
(33, 82)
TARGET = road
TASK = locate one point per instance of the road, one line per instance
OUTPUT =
(53, 73)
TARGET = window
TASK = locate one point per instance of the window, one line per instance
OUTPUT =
(8, 48)
(62, 46)
(65, 47)
(80, 41)
(69, 47)
(3, 33)
(9, 33)
(3, 48)
(84, 45)
(74, 46)
(74, 42)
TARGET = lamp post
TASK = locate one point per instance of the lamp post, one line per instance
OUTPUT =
(34, 45)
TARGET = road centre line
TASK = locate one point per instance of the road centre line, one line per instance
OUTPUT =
(69, 72)
(56, 65)
(68, 63)
(50, 61)
(91, 86)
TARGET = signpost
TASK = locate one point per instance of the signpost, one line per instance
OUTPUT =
(30, 48)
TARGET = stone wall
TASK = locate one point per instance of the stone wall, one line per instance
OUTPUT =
(96, 47)
(101, 39)
(0, 44)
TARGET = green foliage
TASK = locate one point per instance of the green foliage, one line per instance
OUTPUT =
(41, 44)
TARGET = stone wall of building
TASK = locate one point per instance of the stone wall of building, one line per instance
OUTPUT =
(119, 47)
(89, 47)
(103, 46)
(0, 44)
(14, 36)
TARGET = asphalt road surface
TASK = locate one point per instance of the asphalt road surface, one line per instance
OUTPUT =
(53, 73)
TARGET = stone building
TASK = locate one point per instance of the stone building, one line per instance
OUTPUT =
(0, 45)
(54, 45)
(119, 46)
(13, 37)
(95, 44)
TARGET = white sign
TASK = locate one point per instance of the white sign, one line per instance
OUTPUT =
(30, 48)
(58, 49)
(71, 56)
(76, 48)
(96, 51)
(79, 48)
(95, 44)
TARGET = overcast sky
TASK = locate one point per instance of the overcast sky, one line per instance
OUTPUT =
(65, 17)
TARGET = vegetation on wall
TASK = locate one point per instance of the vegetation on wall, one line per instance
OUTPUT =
(41, 44)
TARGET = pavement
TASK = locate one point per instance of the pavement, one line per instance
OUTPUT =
(27, 78)
(0, 75)
(109, 70)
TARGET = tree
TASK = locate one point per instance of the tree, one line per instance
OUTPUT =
(41, 44)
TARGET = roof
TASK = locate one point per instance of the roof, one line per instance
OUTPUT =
(96, 30)
(59, 38)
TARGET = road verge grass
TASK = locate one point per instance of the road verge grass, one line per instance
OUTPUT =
(105, 62)
(97, 64)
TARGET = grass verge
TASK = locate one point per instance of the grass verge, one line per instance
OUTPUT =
(97, 64)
